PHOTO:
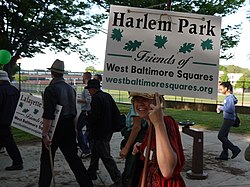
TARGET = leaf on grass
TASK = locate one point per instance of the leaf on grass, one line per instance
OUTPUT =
(186, 47)
(160, 41)
(117, 34)
(132, 45)
(208, 44)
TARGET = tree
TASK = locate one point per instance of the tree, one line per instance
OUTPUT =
(243, 82)
(27, 27)
(90, 69)
(230, 34)
(224, 77)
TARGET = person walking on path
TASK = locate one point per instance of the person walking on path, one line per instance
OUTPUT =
(134, 132)
(85, 100)
(165, 153)
(101, 119)
(60, 93)
(229, 117)
(9, 96)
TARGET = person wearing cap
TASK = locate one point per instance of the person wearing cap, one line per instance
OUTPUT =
(60, 93)
(9, 96)
(101, 119)
(166, 157)
(84, 100)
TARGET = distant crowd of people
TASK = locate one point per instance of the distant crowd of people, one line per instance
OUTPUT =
(151, 141)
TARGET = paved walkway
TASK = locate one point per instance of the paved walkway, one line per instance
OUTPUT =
(229, 173)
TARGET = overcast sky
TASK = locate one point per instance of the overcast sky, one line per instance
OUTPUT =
(73, 63)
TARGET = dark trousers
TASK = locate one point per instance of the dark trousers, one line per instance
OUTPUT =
(7, 141)
(83, 139)
(101, 150)
(223, 137)
(65, 139)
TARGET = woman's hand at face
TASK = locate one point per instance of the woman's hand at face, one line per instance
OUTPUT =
(156, 112)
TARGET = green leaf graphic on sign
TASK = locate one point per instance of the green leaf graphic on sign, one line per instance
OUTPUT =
(21, 104)
(35, 111)
(25, 110)
(132, 45)
(208, 44)
(186, 47)
(160, 41)
(116, 34)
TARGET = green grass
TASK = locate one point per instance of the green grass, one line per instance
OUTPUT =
(207, 120)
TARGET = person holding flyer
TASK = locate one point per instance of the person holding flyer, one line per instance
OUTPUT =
(60, 93)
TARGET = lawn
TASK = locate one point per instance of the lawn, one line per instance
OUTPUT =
(208, 120)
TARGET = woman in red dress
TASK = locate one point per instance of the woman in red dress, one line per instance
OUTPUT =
(166, 157)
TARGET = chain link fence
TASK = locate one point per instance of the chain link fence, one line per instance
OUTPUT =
(242, 94)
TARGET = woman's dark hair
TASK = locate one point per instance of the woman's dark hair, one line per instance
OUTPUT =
(227, 85)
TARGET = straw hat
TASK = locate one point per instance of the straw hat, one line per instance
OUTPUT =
(144, 95)
(57, 66)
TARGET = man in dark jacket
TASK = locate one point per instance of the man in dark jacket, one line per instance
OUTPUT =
(60, 93)
(101, 118)
(9, 96)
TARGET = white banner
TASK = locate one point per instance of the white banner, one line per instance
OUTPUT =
(172, 53)
(28, 115)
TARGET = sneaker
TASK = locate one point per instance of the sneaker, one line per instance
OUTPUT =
(221, 158)
(14, 167)
(236, 152)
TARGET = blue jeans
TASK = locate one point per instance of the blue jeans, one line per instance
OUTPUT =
(83, 139)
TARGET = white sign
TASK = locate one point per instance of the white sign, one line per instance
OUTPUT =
(172, 53)
(28, 115)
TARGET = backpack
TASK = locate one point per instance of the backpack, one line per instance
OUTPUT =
(119, 119)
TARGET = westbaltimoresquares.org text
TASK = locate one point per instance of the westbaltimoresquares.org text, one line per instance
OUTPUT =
(166, 85)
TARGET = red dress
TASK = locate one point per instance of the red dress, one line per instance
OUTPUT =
(154, 177)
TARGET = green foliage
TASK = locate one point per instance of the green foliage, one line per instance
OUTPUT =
(224, 77)
(28, 27)
(22, 78)
(160, 41)
(234, 69)
(132, 45)
(223, 68)
(90, 69)
(208, 44)
(186, 47)
(243, 82)
(117, 34)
